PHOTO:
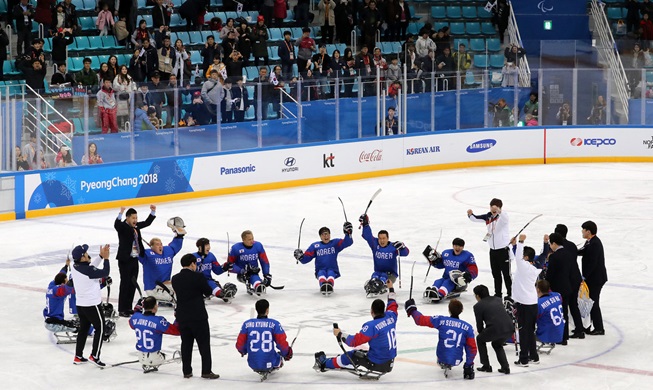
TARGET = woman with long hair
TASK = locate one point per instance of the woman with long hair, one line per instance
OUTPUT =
(123, 85)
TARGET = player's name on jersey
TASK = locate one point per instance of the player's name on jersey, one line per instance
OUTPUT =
(549, 302)
(259, 324)
(454, 324)
(387, 322)
(145, 322)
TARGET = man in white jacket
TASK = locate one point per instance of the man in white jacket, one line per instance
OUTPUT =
(87, 280)
(423, 44)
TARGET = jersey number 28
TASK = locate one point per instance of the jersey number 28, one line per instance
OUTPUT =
(261, 341)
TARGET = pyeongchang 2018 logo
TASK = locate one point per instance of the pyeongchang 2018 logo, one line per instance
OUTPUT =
(374, 155)
(649, 143)
(592, 142)
(481, 145)
(290, 165)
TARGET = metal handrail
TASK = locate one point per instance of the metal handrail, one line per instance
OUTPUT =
(284, 109)
(524, 69)
(611, 55)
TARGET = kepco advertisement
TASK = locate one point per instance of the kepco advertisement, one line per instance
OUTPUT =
(81, 185)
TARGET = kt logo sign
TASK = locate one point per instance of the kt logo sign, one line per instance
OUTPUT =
(327, 161)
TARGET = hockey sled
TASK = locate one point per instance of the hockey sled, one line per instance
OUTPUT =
(545, 348)
(176, 358)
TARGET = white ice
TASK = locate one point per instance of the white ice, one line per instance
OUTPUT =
(413, 208)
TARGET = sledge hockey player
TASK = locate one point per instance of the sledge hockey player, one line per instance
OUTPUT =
(459, 269)
(207, 263)
(244, 259)
(455, 335)
(150, 329)
(325, 252)
(257, 339)
(55, 298)
(550, 319)
(379, 334)
(157, 263)
(385, 255)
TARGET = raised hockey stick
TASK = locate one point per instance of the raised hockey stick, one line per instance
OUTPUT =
(529, 222)
(299, 239)
(399, 261)
(343, 209)
(370, 202)
(436, 248)
(412, 269)
(138, 288)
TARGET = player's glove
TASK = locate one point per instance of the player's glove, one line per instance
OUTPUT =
(288, 355)
(364, 220)
(410, 306)
(108, 281)
(467, 276)
(347, 228)
(227, 266)
(468, 371)
(267, 280)
(298, 254)
(398, 245)
(253, 271)
(139, 306)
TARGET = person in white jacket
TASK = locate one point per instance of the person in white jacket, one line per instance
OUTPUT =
(423, 44)
(87, 280)
(498, 237)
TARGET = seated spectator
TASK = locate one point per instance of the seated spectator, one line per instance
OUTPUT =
(64, 158)
(530, 120)
(108, 106)
(394, 88)
(510, 75)
(514, 54)
(61, 76)
(153, 117)
(564, 115)
(597, 115)
(87, 76)
(215, 24)
(21, 161)
(103, 74)
(104, 20)
(140, 34)
(31, 152)
(120, 31)
(141, 119)
(92, 156)
(531, 106)
(60, 40)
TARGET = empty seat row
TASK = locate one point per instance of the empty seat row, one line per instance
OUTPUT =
(456, 12)
(479, 44)
(492, 61)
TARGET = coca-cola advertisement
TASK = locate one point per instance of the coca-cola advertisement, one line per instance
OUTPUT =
(374, 155)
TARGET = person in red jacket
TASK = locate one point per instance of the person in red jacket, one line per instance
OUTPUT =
(647, 30)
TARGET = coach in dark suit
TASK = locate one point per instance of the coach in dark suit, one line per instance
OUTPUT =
(494, 325)
(558, 274)
(594, 272)
(130, 247)
(191, 288)
(575, 279)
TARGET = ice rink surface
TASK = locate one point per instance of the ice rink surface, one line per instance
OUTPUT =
(413, 208)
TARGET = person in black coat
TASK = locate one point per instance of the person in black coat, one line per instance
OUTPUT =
(191, 288)
(558, 274)
(160, 15)
(23, 13)
(190, 10)
(61, 76)
(594, 272)
(61, 39)
(493, 325)
(576, 278)
(211, 48)
(4, 42)
(241, 100)
(130, 247)
(150, 58)
(34, 72)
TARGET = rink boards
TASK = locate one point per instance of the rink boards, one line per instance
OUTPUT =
(84, 188)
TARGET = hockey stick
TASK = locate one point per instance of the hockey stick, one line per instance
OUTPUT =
(343, 209)
(525, 226)
(436, 248)
(412, 269)
(358, 372)
(299, 239)
(166, 289)
(276, 287)
(370, 202)
(138, 288)
(399, 261)
(123, 363)
(297, 335)
(228, 248)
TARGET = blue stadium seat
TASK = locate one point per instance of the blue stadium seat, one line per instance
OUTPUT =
(148, 20)
(496, 61)
(331, 47)
(103, 58)
(233, 15)
(3, 6)
(296, 32)
(438, 12)
(273, 53)
(80, 44)
(488, 29)
(123, 59)
(79, 4)
(453, 12)
(482, 13)
(95, 42)
(86, 23)
(222, 16)
(183, 35)
(249, 114)
(457, 28)
(473, 28)
(47, 45)
(458, 41)
(290, 17)
(493, 44)
(469, 12)
(207, 33)
(437, 26)
(195, 57)
(477, 44)
(615, 13)
(75, 64)
(316, 31)
(89, 5)
(251, 72)
(95, 63)
(275, 35)
(176, 21)
(413, 15)
(481, 61)
(195, 37)
(177, 3)
(7, 68)
(396, 47)
(414, 27)
(470, 80)
(109, 42)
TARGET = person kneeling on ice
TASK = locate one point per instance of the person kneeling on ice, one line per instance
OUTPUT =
(244, 260)
(379, 334)
(455, 335)
(550, 319)
(157, 264)
(150, 329)
(385, 254)
(207, 263)
(257, 339)
(55, 298)
(459, 269)
(325, 252)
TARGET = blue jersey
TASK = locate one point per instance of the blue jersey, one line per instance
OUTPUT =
(550, 318)
(149, 330)
(158, 267)
(380, 334)
(55, 299)
(207, 264)
(455, 335)
(385, 257)
(326, 255)
(243, 257)
(257, 339)
(462, 262)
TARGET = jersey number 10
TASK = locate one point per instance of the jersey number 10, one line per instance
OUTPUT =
(392, 339)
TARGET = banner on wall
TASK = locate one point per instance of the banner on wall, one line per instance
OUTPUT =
(93, 184)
